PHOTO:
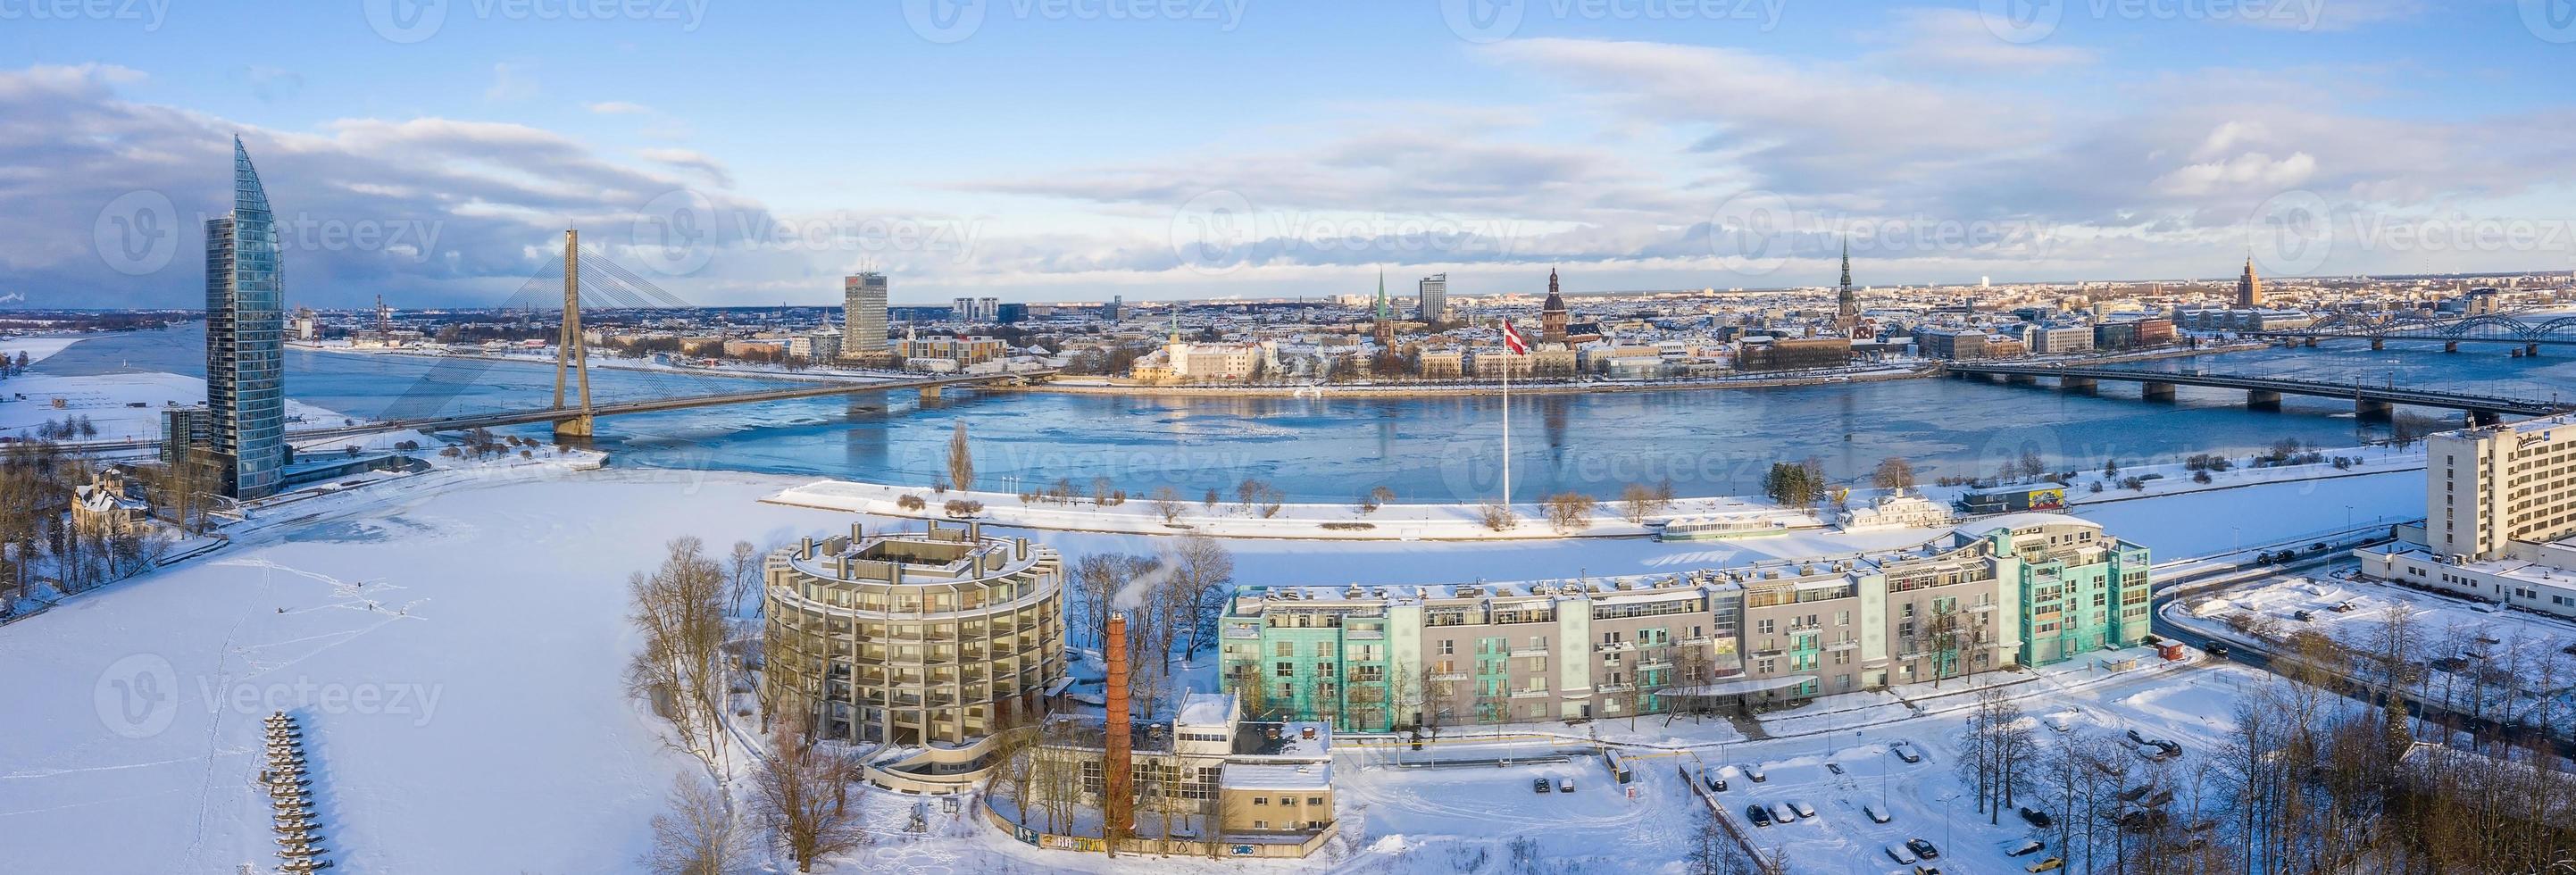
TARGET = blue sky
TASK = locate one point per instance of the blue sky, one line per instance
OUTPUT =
(1040, 150)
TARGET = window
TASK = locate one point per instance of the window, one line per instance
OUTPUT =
(1314, 800)
(1448, 647)
(1764, 626)
(1285, 669)
(1261, 800)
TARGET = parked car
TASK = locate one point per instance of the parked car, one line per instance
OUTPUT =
(1755, 772)
(1565, 785)
(1715, 783)
(1923, 849)
(1927, 870)
(1834, 767)
(1541, 785)
(1902, 856)
(2047, 865)
(2059, 721)
(2217, 650)
(1780, 813)
(2026, 848)
(1906, 752)
(1876, 814)
(1757, 815)
(1803, 809)
(2037, 818)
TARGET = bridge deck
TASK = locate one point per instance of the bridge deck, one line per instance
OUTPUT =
(2311, 388)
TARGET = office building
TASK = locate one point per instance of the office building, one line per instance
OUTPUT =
(863, 313)
(938, 636)
(2024, 589)
(1431, 303)
(975, 311)
(2499, 518)
(245, 341)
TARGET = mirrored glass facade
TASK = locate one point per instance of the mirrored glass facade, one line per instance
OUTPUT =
(245, 337)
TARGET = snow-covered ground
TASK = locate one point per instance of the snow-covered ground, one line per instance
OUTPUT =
(37, 348)
(2445, 626)
(121, 406)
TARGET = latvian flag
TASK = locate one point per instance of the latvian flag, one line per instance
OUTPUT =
(1512, 339)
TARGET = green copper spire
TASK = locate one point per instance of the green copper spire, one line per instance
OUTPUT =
(1382, 313)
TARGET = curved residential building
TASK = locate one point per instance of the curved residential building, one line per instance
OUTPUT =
(936, 636)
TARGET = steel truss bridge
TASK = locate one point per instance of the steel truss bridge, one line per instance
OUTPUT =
(2369, 401)
(2527, 330)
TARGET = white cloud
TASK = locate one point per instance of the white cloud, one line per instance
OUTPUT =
(1960, 39)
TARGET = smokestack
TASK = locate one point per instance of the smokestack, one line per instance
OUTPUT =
(1117, 799)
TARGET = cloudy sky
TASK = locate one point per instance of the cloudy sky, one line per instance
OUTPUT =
(751, 153)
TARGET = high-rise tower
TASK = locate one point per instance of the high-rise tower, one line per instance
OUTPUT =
(245, 340)
(1433, 294)
(1551, 315)
(2249, 288)
(863, 312)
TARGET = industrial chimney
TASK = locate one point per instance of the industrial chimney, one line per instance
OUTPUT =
(1117, 797)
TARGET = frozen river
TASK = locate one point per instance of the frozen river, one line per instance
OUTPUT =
(1427, 449)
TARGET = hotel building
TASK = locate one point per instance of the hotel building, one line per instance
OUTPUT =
(936, 636)
(2026, 589)
(2499, 518)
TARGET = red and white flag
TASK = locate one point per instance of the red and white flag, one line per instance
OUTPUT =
(1512, 339)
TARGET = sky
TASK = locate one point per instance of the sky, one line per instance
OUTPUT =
(751, 153)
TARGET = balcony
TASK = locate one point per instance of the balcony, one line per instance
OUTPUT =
(1530, 651)
(1612, 647)
(1364, 634)
(1448, 675)
(1657, 662)
(1529, 694)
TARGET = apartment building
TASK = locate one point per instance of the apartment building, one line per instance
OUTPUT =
(2499, 518)
(2026, 589)
(936, 636)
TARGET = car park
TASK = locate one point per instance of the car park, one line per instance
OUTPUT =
(1757, 815)
(1923, 849)
(1541, 785)
(1876, 814)
(1902, 856)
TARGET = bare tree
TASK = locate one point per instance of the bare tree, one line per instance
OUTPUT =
(744, 570)
(803, 790)
(961, 459)
(679, 612)
(1569, 511)
(699, 834)
(1167, 503)
(1639, 501)
(1498, 516)
(1202, 581)
(1894, 474)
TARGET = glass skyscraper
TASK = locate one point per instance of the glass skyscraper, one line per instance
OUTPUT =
(245, 340)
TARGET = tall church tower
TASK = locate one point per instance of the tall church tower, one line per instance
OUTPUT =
(2249, 288)
(1846, 305)
(1385, 329)
(1551, 315)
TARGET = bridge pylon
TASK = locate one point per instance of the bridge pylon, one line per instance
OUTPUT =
(572, 353)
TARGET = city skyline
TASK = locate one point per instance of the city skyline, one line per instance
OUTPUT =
(1726, 153)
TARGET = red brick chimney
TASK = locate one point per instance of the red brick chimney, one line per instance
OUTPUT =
(1117, 798)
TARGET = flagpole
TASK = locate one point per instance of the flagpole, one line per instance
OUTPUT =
(1508, 358)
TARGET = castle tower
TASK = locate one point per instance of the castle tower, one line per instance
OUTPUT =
(1551, 315)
